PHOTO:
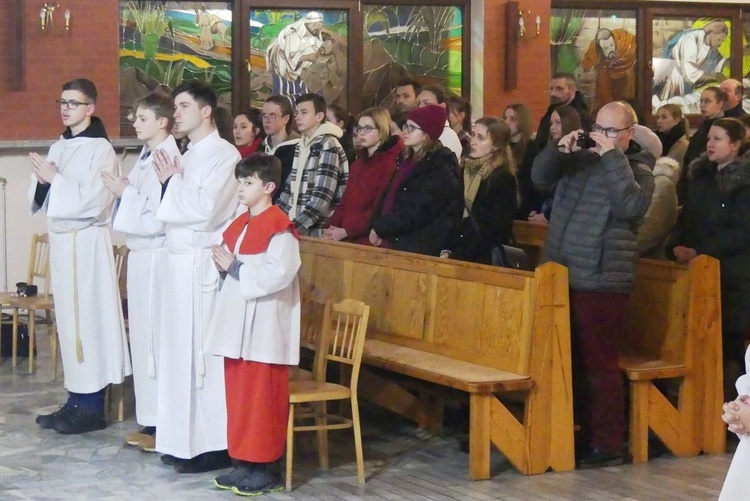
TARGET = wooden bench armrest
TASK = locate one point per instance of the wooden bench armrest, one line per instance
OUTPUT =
(464, 376)
(642, 369)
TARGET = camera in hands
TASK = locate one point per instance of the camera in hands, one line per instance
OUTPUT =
(584, 141)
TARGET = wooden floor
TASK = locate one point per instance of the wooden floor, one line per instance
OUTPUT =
(401, 462)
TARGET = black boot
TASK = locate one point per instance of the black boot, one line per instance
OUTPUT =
(241, 470)
(208, 461)
(47, 421)
(77, 420)
(262, 480)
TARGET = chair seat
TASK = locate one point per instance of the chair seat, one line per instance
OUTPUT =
(40, 302)
(299, 374)
(315, 391)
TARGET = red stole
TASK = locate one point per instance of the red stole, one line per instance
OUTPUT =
(260, 230)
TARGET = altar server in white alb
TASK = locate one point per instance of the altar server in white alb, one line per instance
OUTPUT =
(68, 186)
(138, 197)
(199, 199)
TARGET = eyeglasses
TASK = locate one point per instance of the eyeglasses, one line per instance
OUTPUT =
(610, 132)
(410, 128)
(365, 129)
(270, 116)
(71, 105)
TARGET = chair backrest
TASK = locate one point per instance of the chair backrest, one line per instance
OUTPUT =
(343, 339)
(121, 258)
(39, 260)
(315, 302)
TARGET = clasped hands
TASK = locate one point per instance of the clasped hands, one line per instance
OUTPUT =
(737, 415)
(44, 171)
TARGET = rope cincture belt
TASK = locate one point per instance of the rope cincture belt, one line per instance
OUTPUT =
(79, 344)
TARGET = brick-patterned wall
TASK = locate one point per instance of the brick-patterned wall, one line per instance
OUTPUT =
(533, 60)
(89, 50)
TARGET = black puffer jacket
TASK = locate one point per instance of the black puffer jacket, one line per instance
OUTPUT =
(715, 220)
(599, 204)
(427, 207)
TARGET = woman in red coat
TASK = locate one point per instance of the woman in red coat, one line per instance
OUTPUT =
(368, 177)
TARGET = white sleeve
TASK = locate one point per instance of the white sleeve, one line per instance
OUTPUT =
(88, 197)
(278, 272)
(136, 212)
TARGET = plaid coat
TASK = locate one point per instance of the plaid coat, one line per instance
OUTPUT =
(325, 173)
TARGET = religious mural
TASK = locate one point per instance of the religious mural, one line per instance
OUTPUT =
(164, 43)
(293, 52)
(403, 41)
(688, 56)
(599, 48)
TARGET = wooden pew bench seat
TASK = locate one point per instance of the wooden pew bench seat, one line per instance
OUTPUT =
(639, 368)
(438, 369)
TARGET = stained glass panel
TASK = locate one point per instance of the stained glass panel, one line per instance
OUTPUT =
(164, 43)
(403, 41)
(689, 54)
(293, 52)
(599, 48)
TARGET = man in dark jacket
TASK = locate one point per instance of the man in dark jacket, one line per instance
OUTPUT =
(563, 89)
(602, 194)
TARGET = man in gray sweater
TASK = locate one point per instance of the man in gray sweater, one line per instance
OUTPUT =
(602, 191)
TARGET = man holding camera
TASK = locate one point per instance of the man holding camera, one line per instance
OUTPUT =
(603, 188)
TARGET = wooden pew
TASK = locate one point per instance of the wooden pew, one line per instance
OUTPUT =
(483, 330)
(673, 332)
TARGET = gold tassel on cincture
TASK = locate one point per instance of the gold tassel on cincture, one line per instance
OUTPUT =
(79, 350)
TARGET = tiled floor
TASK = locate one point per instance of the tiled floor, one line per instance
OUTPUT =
(402, 462)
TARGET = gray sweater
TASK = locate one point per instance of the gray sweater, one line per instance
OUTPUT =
(598, 206)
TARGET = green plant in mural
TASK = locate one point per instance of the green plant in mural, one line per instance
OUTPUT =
(435, 21)
(373, 16)
(152, 23)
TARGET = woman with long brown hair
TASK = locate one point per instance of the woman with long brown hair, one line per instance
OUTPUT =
(490, 193)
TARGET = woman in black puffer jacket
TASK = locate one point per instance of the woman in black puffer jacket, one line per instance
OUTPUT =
(422, 204)
(715, 221)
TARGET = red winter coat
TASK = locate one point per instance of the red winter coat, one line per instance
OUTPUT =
(368, 178)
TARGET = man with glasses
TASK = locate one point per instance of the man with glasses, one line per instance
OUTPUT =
(280, 140)
(603, 190)
(68, 186)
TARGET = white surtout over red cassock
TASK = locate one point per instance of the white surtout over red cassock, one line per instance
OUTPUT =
(135, 215)
(197, 205)
(256, 326)
(84, 282)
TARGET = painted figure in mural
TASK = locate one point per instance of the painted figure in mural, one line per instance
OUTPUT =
(691, 60)
(209, 25)
(296, 48)
(612, 53)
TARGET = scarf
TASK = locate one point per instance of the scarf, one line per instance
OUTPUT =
(475, 169)
(669, 138)
(260, 230)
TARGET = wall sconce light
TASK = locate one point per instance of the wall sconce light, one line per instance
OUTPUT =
(46, 16)
(67, 21)
(523, 14)
(516, 21)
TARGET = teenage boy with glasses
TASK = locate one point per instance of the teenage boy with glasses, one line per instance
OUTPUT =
(68, 186)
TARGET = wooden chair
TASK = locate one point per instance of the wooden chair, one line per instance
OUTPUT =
(342, 340)
(121, 260)
(39, 269)
(315, 302)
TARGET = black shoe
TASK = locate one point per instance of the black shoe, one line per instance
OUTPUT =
(598, 459)
(77, 420)
(234, 477)
(208, 461)
(260, 481)
(170, 460)
(47, 421)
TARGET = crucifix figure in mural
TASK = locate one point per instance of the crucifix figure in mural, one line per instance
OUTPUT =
(612, 53)
(296, 48)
